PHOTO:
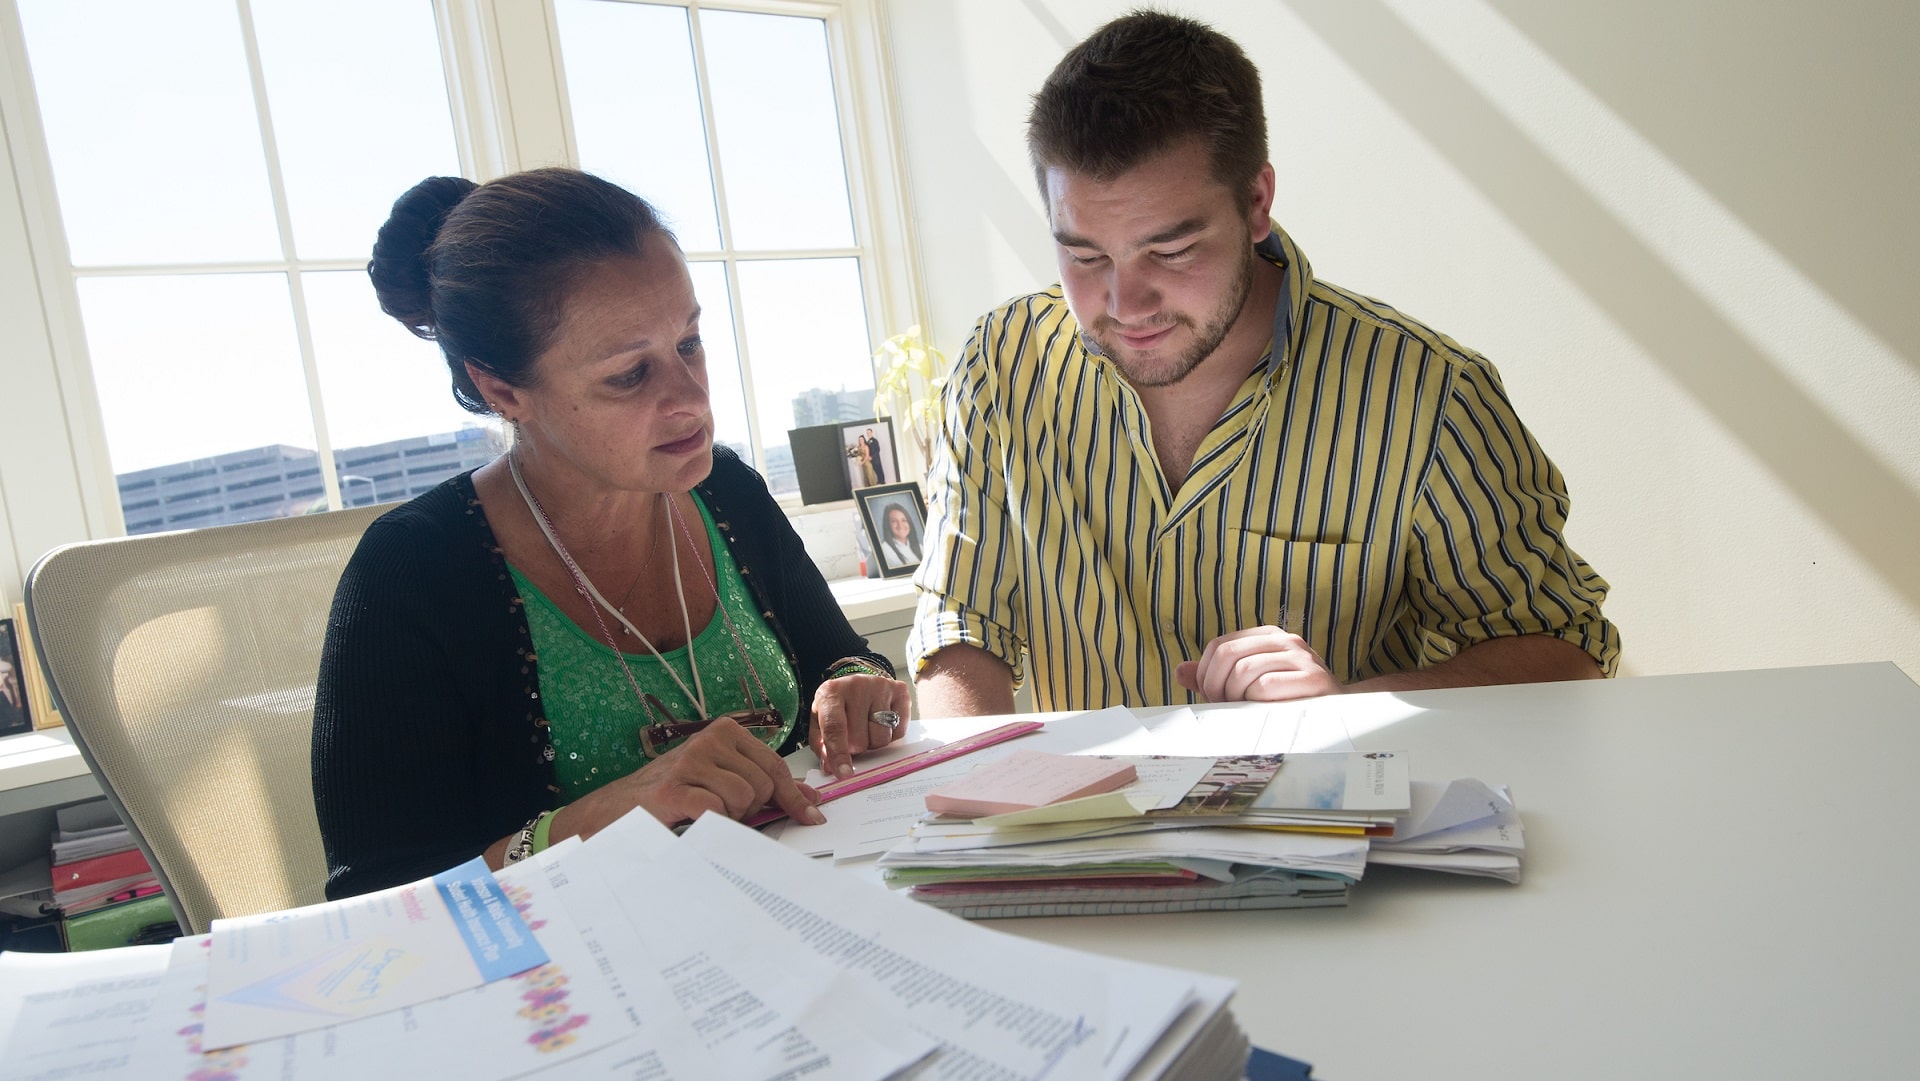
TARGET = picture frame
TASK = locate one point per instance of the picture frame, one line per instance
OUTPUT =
(872, 457)
(16, 710)
(897, 552)
(819, 463)
(39, 694)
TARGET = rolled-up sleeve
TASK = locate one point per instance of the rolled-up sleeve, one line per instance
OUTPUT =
(969, 579)
(1488, 556)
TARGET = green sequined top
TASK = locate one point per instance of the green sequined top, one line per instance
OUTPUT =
(596, 719)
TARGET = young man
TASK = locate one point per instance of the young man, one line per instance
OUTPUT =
(1192, 470)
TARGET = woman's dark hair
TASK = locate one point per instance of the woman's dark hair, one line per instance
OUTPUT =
(886, 523)
(1141, 84)
(485, 269)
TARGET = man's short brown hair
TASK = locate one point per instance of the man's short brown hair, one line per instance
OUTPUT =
(1141, 84)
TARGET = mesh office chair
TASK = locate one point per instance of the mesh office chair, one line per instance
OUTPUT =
(184, 664)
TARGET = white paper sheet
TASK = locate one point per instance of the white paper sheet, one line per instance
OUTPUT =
(980, 993)
(764, 1006)
(76, 1017)
(1442, 805)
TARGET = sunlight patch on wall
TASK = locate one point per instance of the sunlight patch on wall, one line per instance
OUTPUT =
(1813, 341)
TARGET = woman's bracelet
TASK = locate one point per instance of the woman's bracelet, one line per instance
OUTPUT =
(531, 838)
(856, 666)
(543, 830)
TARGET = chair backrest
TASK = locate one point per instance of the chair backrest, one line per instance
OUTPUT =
(184, 664)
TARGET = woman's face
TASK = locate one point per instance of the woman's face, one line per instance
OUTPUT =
(898, 523)
(620, 397)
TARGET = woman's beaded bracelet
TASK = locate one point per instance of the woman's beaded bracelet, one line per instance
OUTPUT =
(530, 839)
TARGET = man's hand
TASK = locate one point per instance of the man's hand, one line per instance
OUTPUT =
(1258, 664)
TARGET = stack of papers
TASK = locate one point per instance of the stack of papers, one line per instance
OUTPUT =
(1465, 827)
(94, 862)
(1053, 895)
(1191, 833)
(1198, 829)
(635, 954)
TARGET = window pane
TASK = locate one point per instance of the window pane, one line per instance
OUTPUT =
(808, 326)
(778, 130)
(360, 113)
(724, 391)
(635, 106)
(148, 110)
(205, 407)
(395, 427)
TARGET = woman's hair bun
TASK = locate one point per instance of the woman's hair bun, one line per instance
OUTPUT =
(400, 268)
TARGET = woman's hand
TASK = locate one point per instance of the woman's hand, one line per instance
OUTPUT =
(721, 768)
(842, 724)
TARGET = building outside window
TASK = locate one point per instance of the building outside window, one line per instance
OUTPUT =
(221, 167)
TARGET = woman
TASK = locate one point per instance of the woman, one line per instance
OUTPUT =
(865, 476)
(537, 647)
(900, 544)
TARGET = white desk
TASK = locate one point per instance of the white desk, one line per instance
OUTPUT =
(1709, 893)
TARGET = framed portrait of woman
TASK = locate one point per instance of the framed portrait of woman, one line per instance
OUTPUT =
(895, 517)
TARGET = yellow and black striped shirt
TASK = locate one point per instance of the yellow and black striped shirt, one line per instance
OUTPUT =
(1369, 487)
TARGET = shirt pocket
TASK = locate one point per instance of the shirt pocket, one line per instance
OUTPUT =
(1329, 592)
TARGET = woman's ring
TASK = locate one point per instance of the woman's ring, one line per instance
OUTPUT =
(885, 718)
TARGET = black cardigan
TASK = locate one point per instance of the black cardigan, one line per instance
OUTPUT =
(429, 737)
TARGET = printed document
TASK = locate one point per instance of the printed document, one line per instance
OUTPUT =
(295, 971)
(723, 960)
(999, 1005)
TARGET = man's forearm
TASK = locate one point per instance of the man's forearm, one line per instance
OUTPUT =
(964, 681)
(1527, 658)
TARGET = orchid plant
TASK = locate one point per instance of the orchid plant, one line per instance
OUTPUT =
(912, 376)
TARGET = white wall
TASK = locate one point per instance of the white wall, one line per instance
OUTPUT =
(1683, 229)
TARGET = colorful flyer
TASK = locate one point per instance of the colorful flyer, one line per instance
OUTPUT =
(286, 972)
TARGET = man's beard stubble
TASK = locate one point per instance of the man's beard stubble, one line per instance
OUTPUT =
(1206, 339)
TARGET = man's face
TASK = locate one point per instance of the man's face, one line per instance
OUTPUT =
(1158, 262)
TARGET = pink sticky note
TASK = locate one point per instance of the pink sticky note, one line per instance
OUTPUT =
(1026, 779)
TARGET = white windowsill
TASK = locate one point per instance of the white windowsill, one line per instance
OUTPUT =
(865, 598)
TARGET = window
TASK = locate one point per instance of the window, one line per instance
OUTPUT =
(221, 167)
(728, 122)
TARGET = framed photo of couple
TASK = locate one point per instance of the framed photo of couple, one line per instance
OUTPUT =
(871, 458)
(16, 712)
(895, 517)
(831, 460)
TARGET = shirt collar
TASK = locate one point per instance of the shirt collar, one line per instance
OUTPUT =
(1278, 248)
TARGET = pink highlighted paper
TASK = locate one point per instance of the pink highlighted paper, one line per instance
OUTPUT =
(1026, 779)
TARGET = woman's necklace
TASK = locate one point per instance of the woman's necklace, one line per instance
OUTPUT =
(646, 564)
(596, 602)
